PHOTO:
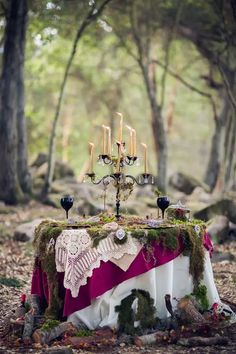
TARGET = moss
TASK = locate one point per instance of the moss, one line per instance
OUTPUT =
(11, 282)
(200, 294)
(195, 250)
(83, 333)
(50, 324)
(145, 312)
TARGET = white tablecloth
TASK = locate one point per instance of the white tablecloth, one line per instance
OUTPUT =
(171, 278)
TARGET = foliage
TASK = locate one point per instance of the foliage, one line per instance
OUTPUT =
(83, 333)
(200, 294)
(12, 282)
(50, 324)
(145, 312)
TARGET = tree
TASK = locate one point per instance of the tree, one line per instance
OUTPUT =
(93, 13)
(211, 26)
(14, 175)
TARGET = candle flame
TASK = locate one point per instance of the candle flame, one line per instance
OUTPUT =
(144, 145)
(91, 144)
(128, 127)
(119, 114)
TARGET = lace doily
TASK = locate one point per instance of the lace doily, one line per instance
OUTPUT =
(76, 257)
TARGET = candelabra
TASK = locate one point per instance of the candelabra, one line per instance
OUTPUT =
(119, 178)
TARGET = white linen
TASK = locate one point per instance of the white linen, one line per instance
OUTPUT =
(77, 258)
(171, 278)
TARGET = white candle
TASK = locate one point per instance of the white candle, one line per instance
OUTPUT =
(145, 157)
(109, 141)
(121, 126)
(91, 157)
(134, 142)
(119, 156)
(130, 140)
(104, 140)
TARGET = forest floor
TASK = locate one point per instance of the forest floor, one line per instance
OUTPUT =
(16, 261)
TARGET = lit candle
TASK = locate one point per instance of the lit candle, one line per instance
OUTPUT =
(134, 142)
(121, 126)
(130, 140)
(109, 141)
(91, 157)
(104, 140)
(119, 156)
(145, 157)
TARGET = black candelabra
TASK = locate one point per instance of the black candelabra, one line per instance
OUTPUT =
(118, 178)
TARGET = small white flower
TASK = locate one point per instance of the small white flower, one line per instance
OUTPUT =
(197, 229)
(120, 234)
(50, 244)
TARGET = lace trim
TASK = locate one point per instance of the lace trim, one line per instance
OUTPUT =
(76, 257)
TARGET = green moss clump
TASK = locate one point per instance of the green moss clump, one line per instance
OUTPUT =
(145, 312)
(200, 294)
(195, 250)
(84, 333)
(46, 231)
(11, 282)
(50, 324)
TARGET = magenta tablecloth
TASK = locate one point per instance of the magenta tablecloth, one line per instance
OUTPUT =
(105, 277)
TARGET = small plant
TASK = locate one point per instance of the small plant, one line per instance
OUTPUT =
(50, 324)
(12, 282)
(83, 333)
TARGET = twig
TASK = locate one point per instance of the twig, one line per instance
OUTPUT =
(190, 86)
(227, 86)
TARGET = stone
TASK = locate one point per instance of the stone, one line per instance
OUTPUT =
(200, 194)
(226, 207)
(220, 257)
(219, 228)
(39, 160)
(184, 182)
(25, 232)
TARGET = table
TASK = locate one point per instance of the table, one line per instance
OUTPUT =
(91, 299)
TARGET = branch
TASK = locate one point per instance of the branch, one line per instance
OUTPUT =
(227, 86)
(91, 16)
(167, 56)
(191, 87)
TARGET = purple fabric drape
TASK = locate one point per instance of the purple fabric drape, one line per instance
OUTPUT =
(106, 276)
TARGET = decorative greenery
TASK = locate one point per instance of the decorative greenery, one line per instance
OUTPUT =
(145, 312)
(120, 241)
(12, 282)
(83, 333)
(50, 324)
(200, 294)
(46, 231)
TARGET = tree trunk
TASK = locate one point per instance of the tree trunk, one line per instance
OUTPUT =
(213, 166)
(159, 133)
(23, 172)
(10, 190)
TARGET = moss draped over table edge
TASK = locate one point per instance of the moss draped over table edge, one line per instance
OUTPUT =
(167, 235)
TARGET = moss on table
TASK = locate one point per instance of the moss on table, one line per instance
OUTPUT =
(169, 234)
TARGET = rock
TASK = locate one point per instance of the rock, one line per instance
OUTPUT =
(40, 160)
(25, 232)
(53, 200)
(220, 256)
(219, 228)
(59, 350)
(200, 194)
(184, 182)
(226, 207)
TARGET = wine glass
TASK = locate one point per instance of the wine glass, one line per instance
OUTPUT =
(66, 203)
(163, 203)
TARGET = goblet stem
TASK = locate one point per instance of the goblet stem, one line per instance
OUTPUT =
(163, 213)
(67, 214)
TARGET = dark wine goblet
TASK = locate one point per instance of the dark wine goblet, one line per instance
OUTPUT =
(163, 203)
(67, 203)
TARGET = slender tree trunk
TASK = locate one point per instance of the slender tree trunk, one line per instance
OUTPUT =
(159, 133)
(10, 190)
(91, 16)
(213, 166)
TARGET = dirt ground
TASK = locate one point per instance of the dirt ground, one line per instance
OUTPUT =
(16, 261)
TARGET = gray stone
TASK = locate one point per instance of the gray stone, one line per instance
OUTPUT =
(25, 232)
(226, 207)
(184, 182)
(219, 228)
